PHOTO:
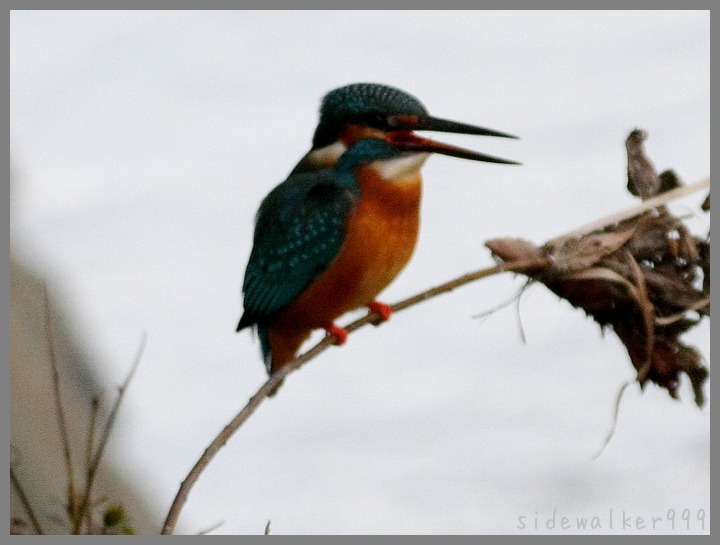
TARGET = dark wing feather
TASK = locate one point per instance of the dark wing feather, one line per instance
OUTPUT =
(299, 230)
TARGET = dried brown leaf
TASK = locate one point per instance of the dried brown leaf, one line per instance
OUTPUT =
(579, 254)
(643, 180)
(640, 276)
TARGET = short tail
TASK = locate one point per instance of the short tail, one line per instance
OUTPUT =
(280, 347)
(246, 320)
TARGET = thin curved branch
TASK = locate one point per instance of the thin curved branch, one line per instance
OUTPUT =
(94, 461)
(59, 410)
(37, 527)
(275, 379)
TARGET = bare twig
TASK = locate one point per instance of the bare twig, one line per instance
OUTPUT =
(267, 528)
(616, 413)
(514, 299)
(60, 412)
(95, 461)
(26, 502)
(90, 445)
(212, 528)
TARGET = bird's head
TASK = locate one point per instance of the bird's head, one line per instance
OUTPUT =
(361, 110)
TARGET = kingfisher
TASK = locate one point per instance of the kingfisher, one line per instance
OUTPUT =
(345, 222)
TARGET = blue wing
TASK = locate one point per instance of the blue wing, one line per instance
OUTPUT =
(299, 230)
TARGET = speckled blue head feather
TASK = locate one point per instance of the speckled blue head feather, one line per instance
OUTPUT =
(362, 103)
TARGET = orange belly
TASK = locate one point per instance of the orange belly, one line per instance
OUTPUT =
(380, 239)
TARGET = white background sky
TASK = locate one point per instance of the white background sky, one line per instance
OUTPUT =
(143, 143)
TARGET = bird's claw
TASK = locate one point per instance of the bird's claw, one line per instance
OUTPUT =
(384, 312)
(340, 334)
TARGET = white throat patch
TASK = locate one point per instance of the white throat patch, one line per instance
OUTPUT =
(400, 167)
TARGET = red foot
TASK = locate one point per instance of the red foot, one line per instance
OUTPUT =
(338, 332)
(385, 311)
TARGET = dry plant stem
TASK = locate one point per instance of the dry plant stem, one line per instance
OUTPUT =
(93, 463)
(298, 362)
(210, 528)
(26, 503)
(667, 320)
(64, 437)
(644, 304)
(94, 407)
(616, 413)
(279, 376)
(649, 204)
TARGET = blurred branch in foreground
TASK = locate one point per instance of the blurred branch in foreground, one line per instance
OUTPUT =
(59, 432)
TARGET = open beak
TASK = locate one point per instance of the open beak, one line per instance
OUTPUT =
(429, 123)
(407, 140)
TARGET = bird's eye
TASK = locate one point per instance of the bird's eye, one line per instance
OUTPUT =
(377, 120)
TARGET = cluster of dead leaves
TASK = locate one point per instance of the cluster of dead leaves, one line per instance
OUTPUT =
(647, 278)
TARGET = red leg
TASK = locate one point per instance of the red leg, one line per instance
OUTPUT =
(385, 311)
(338, 332)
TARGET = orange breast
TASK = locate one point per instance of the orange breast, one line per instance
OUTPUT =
(380, 240)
